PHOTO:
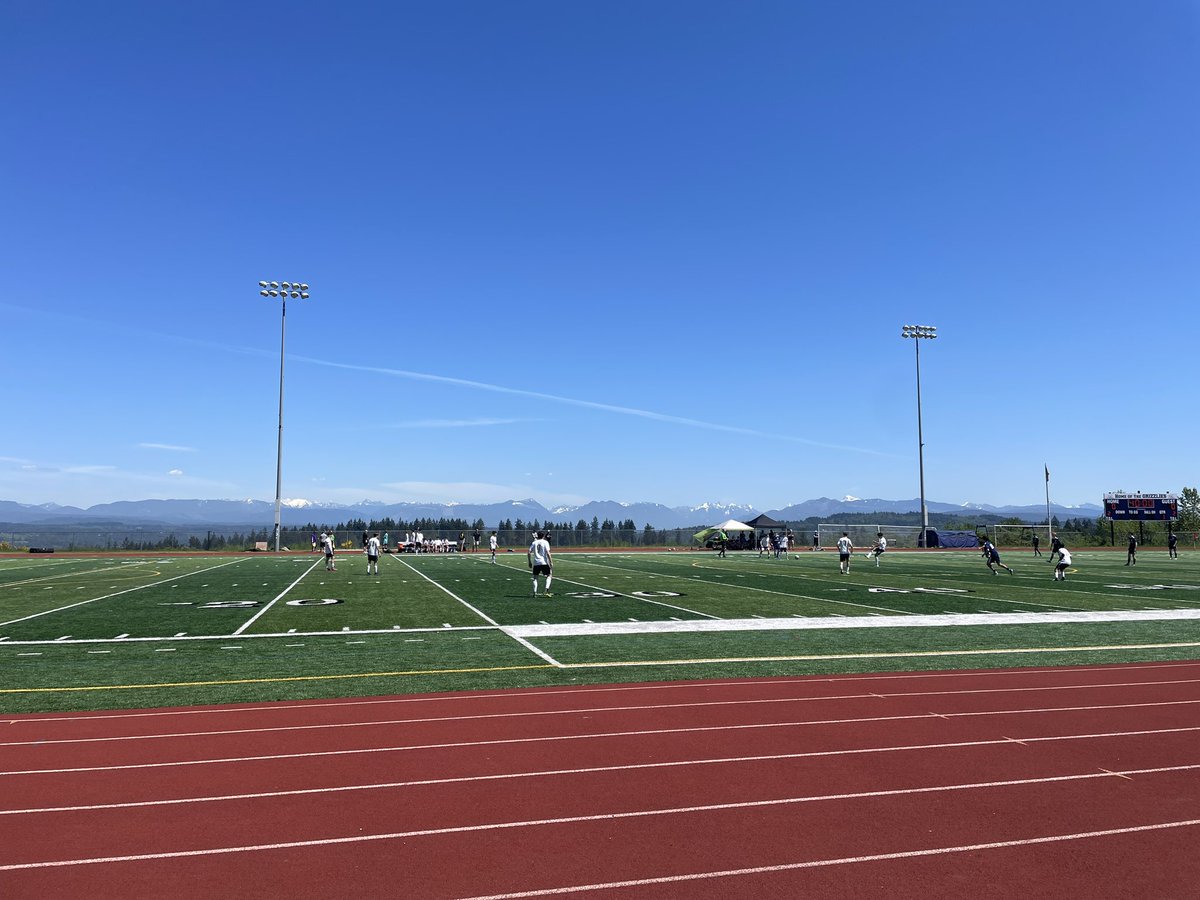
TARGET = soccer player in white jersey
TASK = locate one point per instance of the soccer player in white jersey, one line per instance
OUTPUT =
(327, 546)
(540, 562)
(492, 546)
(373, 554)
(879, 549)
(1064, 560)
(845, 548)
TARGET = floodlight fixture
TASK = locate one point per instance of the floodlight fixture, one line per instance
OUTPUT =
(919, 333)
(299, 292)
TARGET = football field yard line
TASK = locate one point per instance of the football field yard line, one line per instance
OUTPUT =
(905, 574)
(258, 614)
(615, 592)
(520, 640)
(119, 593)
(105, 569)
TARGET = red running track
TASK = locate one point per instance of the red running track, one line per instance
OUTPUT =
(1064, 782)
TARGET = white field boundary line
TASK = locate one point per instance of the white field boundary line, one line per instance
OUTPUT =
(592, 770)
(248, 637)
(254, 618)
(598, 710)
(648, 813)
(603, 689)
(581, 629)
(615, 592)
(843, 861)
(594, 629)
(540, 654)
(976, 595)
(745, 587)
(655, 732)
(119, 593)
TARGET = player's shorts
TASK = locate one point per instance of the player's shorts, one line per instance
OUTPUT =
(371, 558)
(844, 557)
(879, 551)
(993, 556)
(541, 570)
(1062, 566)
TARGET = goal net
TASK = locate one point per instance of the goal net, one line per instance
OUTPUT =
(1019, 535)
(863, 536)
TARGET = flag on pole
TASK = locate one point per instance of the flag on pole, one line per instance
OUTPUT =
(1047, 474)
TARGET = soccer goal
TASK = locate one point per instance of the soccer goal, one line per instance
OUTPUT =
(863, 536)
(1019, 535)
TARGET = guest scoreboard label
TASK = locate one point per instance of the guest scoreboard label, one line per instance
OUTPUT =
(1120, 507)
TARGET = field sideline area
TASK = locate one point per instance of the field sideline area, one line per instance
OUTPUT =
(79, 633)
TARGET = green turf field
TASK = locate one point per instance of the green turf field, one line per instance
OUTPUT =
(80, 633)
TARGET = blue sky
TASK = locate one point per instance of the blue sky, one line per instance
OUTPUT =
(598, 250)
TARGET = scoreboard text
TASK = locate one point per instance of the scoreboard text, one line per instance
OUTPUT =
(1121, 507)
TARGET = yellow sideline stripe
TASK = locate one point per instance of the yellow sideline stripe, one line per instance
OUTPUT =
(178, 684)
(834, 656)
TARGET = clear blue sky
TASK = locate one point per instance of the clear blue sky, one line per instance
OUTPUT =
(599, 250)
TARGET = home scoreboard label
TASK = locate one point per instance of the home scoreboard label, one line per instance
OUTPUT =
(1121, 507)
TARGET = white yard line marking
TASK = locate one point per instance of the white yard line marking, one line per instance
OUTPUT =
(646, 813)
(120, 593)
(520, 640)
(284, 593)
(609, 590)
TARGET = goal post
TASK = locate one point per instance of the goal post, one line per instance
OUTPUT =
(901, 537)
(1020, 535)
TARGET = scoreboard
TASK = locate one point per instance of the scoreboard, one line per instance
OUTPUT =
(1122, 507)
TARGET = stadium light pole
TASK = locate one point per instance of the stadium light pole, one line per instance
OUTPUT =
(282, 290)
(919, 333)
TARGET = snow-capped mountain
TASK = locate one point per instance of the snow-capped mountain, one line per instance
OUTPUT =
(298, 512)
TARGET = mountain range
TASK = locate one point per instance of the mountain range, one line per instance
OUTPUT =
(261, 513)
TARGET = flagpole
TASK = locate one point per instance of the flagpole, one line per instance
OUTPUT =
(1049, 527)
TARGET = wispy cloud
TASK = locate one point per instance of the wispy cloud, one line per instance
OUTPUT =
(175, 473)
(494, 388)
(147, 445)
(587, 404)
(456, 423)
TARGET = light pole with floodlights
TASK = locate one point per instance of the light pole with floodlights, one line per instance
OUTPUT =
(919, 333)
(282, 290)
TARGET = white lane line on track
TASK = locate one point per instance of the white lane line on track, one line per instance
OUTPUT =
(654, 732)
(626, 688)
(592, 710)
(591, 770)
(845, 860)
(638, 814)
